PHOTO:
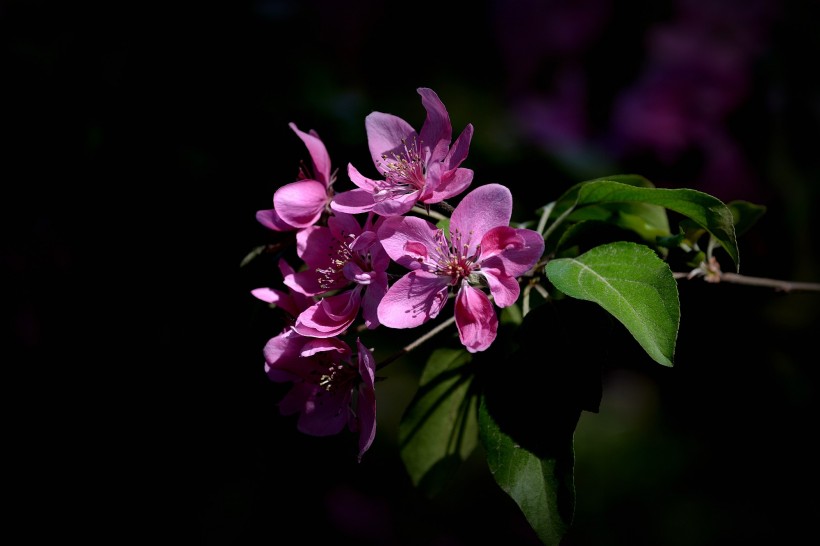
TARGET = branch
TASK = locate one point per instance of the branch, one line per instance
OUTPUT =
(780, 286)
(416, 343)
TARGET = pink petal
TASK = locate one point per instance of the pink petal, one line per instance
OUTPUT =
(517, 260)
(326, 413)
(499, 239)
(342, 226)
(331, 316)
(373, 295)
(479, 211)
(301, 203)
(271, 220)
(437, 130)
(366, 406)
(314, 244)
(268, 295)
(280, 299)
(476, 320)
(451, 183)
(504, 288)
(404, 237)
(283, 360)
(360, 180)
(353, 201)
(413, 300)
(318, 154)
(396, 206)
(305, 283)
(458, 152)
(386, 135)
(319, 345)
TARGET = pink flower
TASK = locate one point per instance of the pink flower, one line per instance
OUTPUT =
(337, 256)
(291, 302)
(330, 389)
(416, 167)
(300, 204)
(482, 249)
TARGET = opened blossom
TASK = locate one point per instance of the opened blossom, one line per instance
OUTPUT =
(301, 203)
(346, 265)
(331, 387)
(416, 167)
(483, 250)
(292, 302)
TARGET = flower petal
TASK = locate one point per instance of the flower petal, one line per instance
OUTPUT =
(301, 203)
(413, 300)
(460, 148)
(318, 154)
(437, 131)
(479, 211)
(450, 184)
(517, 260)
(325, 413)
(373, 295)
(331, 316)
(283, 360)
(271, 220)
(403, 238)
(398, 205)
(476, 320)
(353, 201)
(498, 240)
(366, 405)
(387, 135)
(504, 288)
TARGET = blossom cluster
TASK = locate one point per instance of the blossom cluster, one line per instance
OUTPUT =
(351, 244)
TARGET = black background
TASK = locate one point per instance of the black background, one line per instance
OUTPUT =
(140, 139)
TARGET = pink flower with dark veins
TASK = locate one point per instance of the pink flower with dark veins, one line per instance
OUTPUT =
(332, 388)
(300, 204)
(338, 256)
(482, 250)
(417, 167)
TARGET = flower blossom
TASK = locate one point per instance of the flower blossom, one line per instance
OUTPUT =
(330, 388)
(292, 302)
(338, 256)
(300, 204)
(417, 167)
(482, 249)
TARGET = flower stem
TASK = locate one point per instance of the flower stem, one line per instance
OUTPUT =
(431, 213)
(781, 286)
(416, 343)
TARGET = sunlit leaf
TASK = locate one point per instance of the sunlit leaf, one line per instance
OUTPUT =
(542, 487)
(707, 211)
(439, 429)
(633, 284)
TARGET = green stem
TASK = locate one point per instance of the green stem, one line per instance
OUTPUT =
(416, 343)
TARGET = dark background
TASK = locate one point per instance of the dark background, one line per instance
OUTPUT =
(139, 140)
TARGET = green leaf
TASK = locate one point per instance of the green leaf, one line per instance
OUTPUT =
(542, 487)
(633, 284)
(439, 428)
(707, 211)
(250, 256)
(745, 214)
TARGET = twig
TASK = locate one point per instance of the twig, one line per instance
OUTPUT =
(779, 285)
(416, 343)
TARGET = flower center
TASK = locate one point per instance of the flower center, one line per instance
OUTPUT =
(404, 173)
(339, 254)
(452, 259)
(339, 376)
